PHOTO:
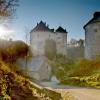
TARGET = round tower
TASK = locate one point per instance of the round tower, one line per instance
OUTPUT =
(92, 37)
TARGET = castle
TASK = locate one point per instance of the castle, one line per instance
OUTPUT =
(92, 37)
(42, 38)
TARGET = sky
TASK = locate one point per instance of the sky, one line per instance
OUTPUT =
(70, 14)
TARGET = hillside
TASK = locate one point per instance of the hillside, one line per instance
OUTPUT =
(14, 84)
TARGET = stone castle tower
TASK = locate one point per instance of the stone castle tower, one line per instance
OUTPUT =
(42, 34)
(92, 37)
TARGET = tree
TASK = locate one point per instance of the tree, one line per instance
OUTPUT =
(73, 41)
(81, 42)
(7, 7)
(12, 50)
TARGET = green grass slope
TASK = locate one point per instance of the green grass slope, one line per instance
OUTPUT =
(15, 86)
(79, 72)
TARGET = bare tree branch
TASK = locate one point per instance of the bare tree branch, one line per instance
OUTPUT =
(7, 7)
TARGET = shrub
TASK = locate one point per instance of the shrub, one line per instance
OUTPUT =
(86, 67)
(11, 50)
(80, 72)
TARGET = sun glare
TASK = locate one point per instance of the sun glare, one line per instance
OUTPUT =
(5, 31)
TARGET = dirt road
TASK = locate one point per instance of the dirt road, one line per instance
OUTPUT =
(75, 93)
(81, 93)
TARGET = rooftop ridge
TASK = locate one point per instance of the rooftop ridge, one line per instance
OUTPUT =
(42, 26)
(96, 18)
(60, 29)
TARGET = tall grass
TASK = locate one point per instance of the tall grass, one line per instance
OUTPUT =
(78, 72)
(85, 67)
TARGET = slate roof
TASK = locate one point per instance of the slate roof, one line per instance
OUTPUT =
(61, 30)
(41, 27)
(96, 18)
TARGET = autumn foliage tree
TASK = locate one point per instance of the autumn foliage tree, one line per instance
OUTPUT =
(12, 50)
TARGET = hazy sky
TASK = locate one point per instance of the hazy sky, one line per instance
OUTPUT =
(70, 14)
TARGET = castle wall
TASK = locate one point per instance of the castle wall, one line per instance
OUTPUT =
(75, 52)
(61, 43)
(38, 42)
(92, 40)
(38, 39)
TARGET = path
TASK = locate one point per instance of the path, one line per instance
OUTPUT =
(75, 93)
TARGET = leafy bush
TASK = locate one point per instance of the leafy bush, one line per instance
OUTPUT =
(61, 66)
(86, 67)
(80, 72)
(11, 50)
(88, 81)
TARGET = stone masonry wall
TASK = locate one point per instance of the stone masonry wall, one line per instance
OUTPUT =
(92, 40)
(38, 41)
